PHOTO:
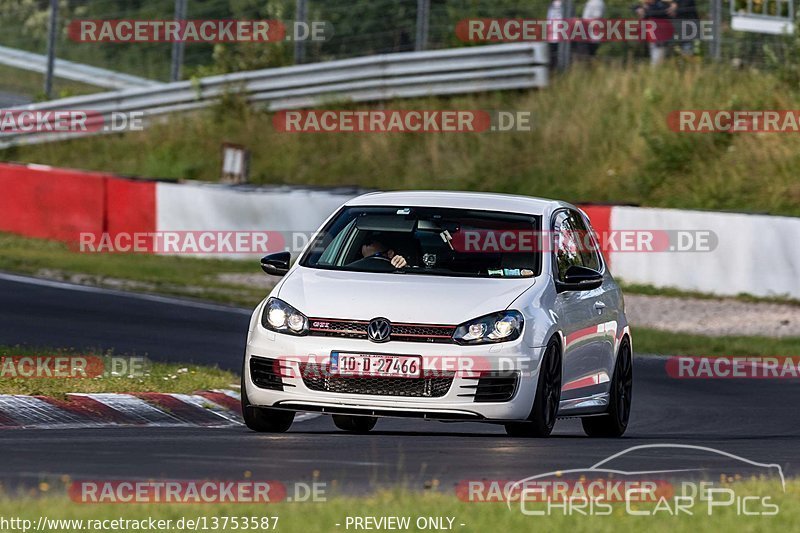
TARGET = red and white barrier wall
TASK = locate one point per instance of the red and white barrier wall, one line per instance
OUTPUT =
(753, 254)
(61, 204)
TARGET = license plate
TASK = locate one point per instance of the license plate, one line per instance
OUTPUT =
(374, 365)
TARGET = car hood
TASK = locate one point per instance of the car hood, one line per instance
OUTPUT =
(399, 297)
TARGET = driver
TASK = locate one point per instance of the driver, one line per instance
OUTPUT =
(373, 246)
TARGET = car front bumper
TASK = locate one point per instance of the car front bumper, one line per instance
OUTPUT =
(455, 404)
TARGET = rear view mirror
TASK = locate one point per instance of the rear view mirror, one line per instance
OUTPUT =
(580, 278)
(276, 264)
(387, 223)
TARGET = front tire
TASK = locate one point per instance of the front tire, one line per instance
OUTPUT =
(548, 395)
(615, 422)
(263, 419)
(355, 424)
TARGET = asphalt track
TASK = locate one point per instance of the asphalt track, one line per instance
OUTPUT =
(755, 419)
(41, 313)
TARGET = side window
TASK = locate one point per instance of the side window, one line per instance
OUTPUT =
(566, 248)
(336, 245)
(587, 244)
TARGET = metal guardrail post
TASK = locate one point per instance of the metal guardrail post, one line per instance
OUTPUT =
(51, 49)
(300, 15)
(716, 18)
(177, 47)
(423, 21)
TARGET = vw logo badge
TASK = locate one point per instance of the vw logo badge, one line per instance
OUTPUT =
(379, 330)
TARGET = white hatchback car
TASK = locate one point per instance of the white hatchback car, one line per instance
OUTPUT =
(443, 305)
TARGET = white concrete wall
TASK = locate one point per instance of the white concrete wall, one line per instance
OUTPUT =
(755, 254)
(209, 207)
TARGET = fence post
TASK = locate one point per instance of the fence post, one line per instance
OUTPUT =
(51, 49)
(423, 19)
(300, 15)
(565, 46)
(716, 20)
(177, 46)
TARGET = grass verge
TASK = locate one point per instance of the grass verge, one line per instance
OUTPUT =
(332, 515)
(653, 341)
(649, 290)
(31, 84)
(107, 373)
(600, 135)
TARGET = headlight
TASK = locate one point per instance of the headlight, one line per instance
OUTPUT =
(283, 318)
(497, 327)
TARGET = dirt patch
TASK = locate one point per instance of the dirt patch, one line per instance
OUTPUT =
(250, 279)
(96, 281)
(239, 289)
(713, 317)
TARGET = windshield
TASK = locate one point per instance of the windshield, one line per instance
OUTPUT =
(429, 241)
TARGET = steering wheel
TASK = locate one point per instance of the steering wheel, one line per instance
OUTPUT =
(374, 264)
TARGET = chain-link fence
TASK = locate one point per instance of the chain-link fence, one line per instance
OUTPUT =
(360, 27)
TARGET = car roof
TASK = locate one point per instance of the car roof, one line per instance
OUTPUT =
(509, 203)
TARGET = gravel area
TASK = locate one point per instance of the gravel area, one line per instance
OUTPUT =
(257, 279)
(713, 317)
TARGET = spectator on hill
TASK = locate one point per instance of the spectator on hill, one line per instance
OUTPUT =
(687, 21)
(554, 12)
(594, 9)
(654, 9)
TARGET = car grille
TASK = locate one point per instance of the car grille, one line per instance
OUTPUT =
(495, 386)
(318, 378)
(357, 329)
(266, 373)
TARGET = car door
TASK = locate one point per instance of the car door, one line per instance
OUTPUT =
(605, 304)
(582, 314)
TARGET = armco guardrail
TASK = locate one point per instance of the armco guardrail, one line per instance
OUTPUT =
(406, 75)
(69, 70)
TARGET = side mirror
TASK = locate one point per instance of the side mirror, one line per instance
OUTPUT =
(580, 278)
(276, 264)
